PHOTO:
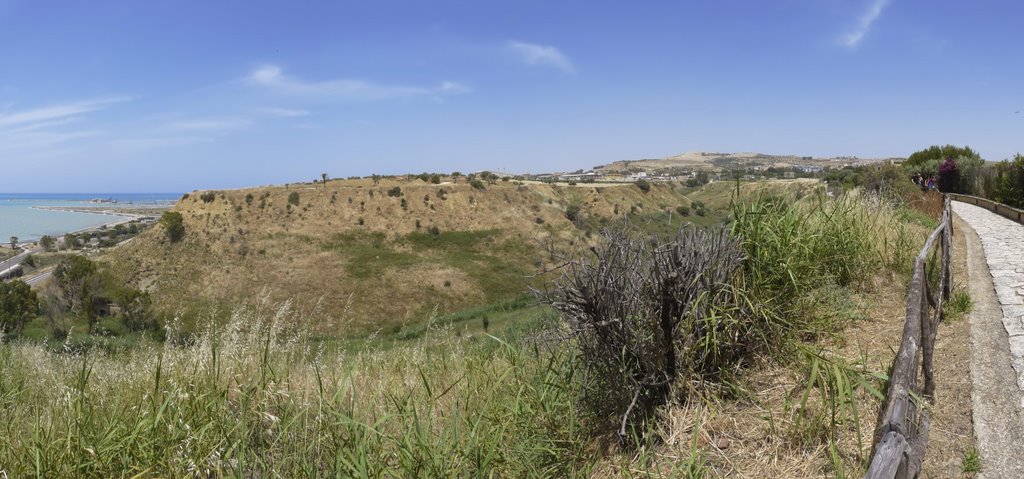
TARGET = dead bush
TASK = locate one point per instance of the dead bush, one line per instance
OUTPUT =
(650, 318)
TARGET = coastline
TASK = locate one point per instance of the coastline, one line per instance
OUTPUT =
(116, 211)
(30, 216)
(122, 217)
(103, 226)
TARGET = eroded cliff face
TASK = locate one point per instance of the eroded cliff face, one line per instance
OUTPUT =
(369, 255)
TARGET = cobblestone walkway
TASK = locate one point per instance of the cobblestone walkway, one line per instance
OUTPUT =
(1003, 242)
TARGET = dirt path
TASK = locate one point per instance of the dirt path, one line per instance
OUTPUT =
(996, 396)
(952, 425)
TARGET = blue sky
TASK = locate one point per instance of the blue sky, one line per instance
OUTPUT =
(181, 95)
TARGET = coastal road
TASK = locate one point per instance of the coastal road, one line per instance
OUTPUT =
(18, 259)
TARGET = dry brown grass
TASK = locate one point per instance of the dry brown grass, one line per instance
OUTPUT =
(763, 434)
(952, 426)
(757, 436)
(754, 436)
(234, 250)
(929, 203)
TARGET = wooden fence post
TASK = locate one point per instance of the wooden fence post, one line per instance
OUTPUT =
(902, 435)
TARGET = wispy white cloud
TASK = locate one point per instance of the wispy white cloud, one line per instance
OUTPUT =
(285, 112)
(454, 87)
(42, 125)
(541, 55)
(56, 112)
(210, 124)
(40, 128)
(853, 38)
(14, 140)
(273, 77)
(135, 145)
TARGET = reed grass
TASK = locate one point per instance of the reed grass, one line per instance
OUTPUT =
(805, 262)
(794, 250)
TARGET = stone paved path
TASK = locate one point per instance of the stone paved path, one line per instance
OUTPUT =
(1003, 242)
(996, 398)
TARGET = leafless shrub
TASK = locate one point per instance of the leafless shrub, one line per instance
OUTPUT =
(648, 316)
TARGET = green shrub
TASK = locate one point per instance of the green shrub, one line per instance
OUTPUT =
(644, 185)
(70, 241)
(699, 180)
(1009, 182)
(572, 212)
(293, 198)
(926, 161)
(174, 225)
(18, 304)
(395, 192)
(79, 287)
(475, 183)
(47, 243)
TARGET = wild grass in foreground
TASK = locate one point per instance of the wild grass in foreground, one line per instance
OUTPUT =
(258, 397)
(807, 262)
(662, 324)
(251, 399)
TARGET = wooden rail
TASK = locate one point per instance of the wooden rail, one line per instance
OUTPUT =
(997, 208)
(902, 433)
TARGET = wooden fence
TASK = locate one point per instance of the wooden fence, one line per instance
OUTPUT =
(997, 208)
(902, 433)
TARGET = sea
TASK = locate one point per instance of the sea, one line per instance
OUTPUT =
(20, 217)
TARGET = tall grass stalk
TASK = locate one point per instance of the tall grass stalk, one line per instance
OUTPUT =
(251, 399)
(796, 248)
